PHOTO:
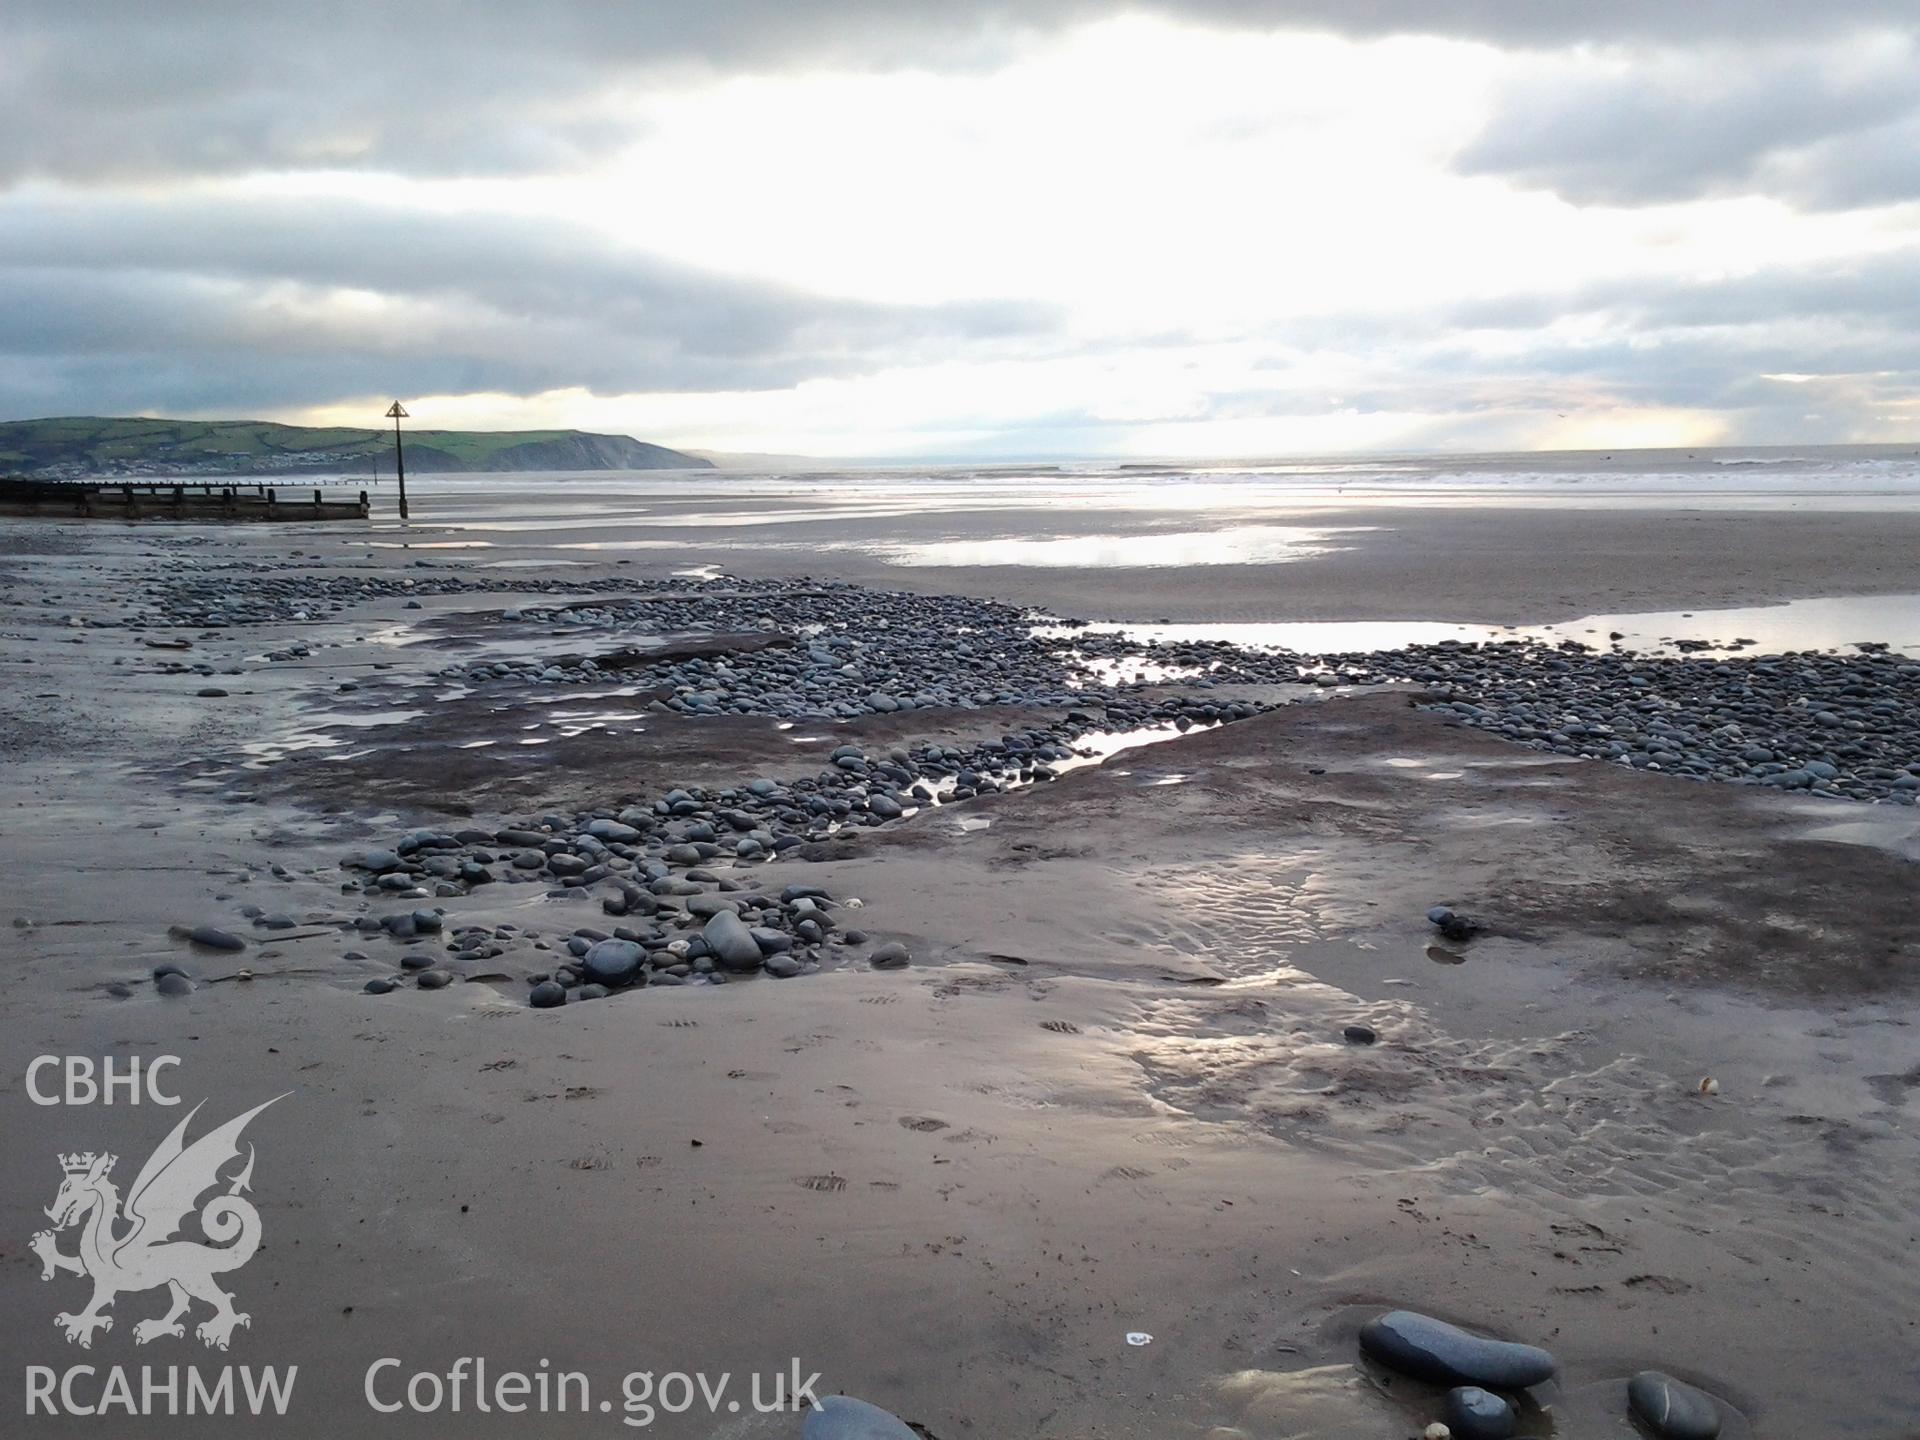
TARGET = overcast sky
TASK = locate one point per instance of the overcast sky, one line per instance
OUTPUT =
(974, 227)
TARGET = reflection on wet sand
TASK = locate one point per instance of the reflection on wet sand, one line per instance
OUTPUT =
(1835, 623)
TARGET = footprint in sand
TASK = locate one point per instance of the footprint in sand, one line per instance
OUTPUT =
(1664, 1284)
(926, 1124)
(825, 1184)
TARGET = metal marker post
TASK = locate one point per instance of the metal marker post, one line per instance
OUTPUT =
(397, 414)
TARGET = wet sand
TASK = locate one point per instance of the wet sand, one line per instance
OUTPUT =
(1512, 564)
(1110, 1095)
(1496, 567)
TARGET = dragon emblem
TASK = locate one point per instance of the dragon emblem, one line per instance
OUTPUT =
(136, 1246)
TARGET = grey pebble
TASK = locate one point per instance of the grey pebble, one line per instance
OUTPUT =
(1476, 1414)
(841, 1417)
(731, 942)
(1443, 1354)
(890, 956)
(1672, 1409)
(213, 938)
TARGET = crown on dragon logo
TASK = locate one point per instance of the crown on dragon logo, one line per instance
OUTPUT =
(80, 1164)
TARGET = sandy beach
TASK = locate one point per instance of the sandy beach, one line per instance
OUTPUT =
(1134, 552)
(1496, 567)
(1114, 1091)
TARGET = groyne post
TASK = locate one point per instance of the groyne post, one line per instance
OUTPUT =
(396, 413)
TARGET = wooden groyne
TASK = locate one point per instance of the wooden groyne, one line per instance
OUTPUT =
(154, 500)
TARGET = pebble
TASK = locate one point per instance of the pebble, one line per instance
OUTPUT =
(1671, 1409)
(173, 983)
(1443, 1354)
(1360, 1034)
(547, 994)
(1450, 923)
(841, 1417)
(1476, 1414)
(890, 956)
(613, 962)
(731, 942)
(379, 985)
(213, 938)
(772, 941)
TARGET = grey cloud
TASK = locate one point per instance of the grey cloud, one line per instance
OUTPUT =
(1880, 166)
(1690, 371)
(1861, 295)
(117, 88)
(1716, 120)
(119, 294)
(511, 266)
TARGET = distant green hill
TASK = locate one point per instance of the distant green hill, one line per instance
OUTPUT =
(87, 446)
